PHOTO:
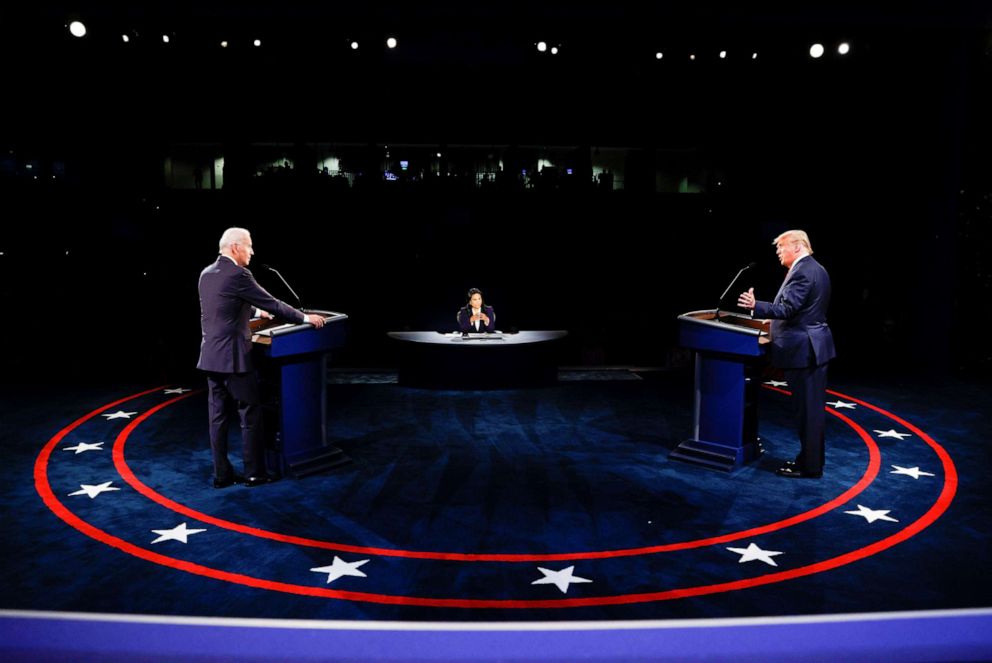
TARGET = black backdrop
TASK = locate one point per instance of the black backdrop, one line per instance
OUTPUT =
(880, 156)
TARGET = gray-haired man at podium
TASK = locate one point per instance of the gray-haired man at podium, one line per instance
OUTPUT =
(801, 343)
(229, 296)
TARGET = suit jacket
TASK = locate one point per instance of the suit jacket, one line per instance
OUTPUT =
(228, 295)
(800, 336)
(465, 313)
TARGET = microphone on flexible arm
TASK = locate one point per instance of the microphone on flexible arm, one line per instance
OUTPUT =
(299, 302)
(743, 269)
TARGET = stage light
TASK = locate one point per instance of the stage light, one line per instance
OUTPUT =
(692, 56)
(125, 38)
(844, 48)
(438, 155)
(723, 55)
(659, 55)
(223, 44)
(554, 50)
(165, 39)
(77, 29)
(754, 56)
(542, 46)
(257, 43)
(816, 50)
(354, 45)
(391, 42)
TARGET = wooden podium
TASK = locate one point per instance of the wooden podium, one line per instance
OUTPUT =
(294, 376)
(725, 406)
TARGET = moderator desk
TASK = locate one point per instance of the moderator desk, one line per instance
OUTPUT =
(293, 369)
(477, 361)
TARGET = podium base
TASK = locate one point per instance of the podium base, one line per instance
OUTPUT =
(716, 456)
(311, 462)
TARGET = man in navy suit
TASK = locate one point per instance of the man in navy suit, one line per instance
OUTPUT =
(801, 343)
(229, 296)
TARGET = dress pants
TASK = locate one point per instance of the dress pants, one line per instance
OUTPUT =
(809, 394)
(241, 390)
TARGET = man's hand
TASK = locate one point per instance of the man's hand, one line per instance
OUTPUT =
(746, 300)
(315, 320)
(265, 314)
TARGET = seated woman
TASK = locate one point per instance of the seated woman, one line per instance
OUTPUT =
(476, 316)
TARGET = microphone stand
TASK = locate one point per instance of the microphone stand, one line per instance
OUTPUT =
(743, 269)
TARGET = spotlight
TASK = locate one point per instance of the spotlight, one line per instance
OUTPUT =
(257, 43)
(391, 42)
(844, 48)
(125, 38)
(354, 45)
(816, 50)
(754, 56)
(659, 55)
(165, 39)
(223, 44)
(692, 56)
(723, 55)
(542, 46)
(77, 29)
(554, 50)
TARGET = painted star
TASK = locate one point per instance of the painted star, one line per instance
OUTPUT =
(83, 446)
(753, 552)
(120, 414)
(177, 390)
(914, 472)
(560, 579)
(841, 404)
(777, 383)
(892, 433)
(93, 491)
(871, 515)
(339, 568)
(178, 533)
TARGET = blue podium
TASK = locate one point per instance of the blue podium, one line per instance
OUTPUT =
(294, 380)
(727, 351)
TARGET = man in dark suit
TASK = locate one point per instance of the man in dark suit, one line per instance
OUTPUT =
(229, 296)
(801, 343)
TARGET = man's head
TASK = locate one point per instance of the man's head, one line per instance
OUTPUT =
(792, 245)
(235, 243)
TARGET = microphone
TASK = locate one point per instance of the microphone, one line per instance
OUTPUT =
(299, 302)
(743, 269)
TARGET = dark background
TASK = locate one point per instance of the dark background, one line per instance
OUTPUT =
(882, 156)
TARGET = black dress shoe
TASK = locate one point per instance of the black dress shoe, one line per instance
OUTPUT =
(229, 481)
(788, 470)
(251, 482)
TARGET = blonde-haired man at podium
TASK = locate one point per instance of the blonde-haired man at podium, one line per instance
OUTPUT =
(801, 343)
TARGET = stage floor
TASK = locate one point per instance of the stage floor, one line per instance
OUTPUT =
(544, 505)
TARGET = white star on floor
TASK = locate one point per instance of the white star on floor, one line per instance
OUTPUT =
(84, 446)
(914, 472)
(753, 552)
(93, 491)
(177, 390)
(120, 414)
(891, 433)
(178, 533)
(339, 568)
(871, 515)
(560, 579)
(841, 404)
(777, 383)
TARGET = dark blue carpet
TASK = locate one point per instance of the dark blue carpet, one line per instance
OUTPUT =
(574, 470)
